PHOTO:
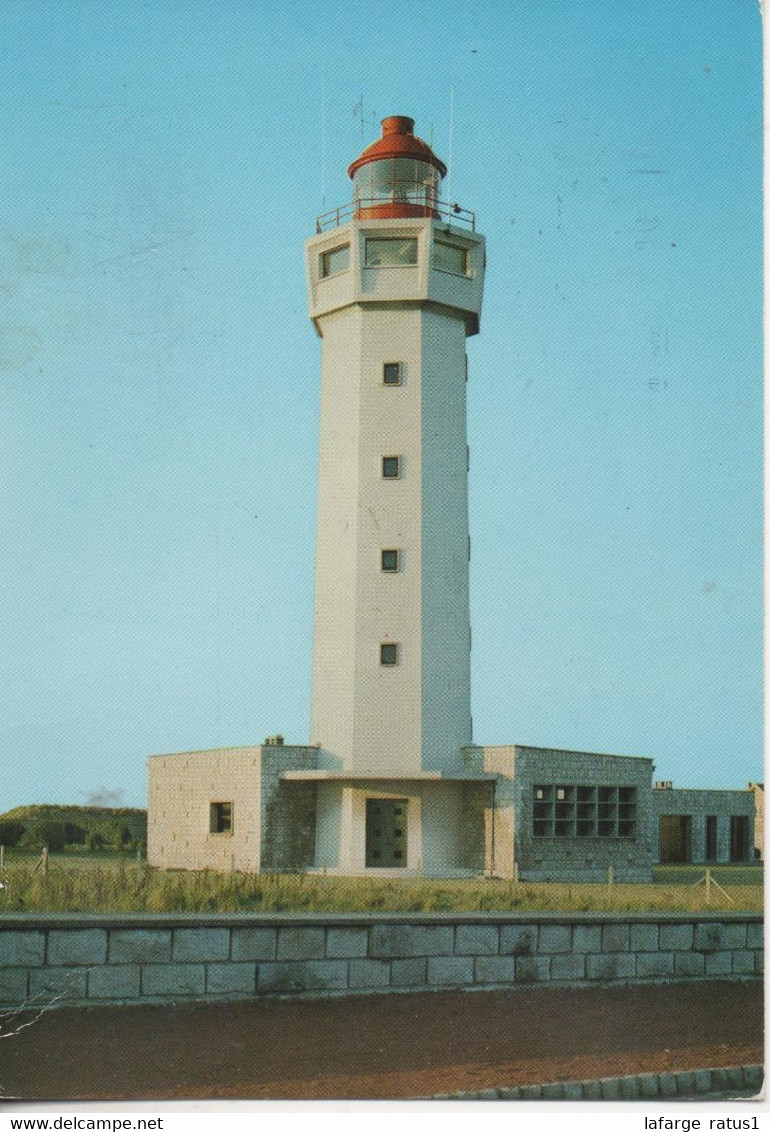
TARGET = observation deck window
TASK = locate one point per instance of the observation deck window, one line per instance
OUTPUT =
(450, 257)
(390, 252)
(335, 260)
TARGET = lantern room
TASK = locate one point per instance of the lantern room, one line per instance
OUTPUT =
(397, 176)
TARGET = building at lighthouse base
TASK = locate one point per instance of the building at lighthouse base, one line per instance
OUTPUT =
(523, 812)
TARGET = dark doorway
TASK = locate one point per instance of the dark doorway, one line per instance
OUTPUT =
(711, 837)
(675, 839)
(385, 833)
(739, 838)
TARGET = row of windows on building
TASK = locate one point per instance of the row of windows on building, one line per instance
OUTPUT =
(395, 252)
(584, 811)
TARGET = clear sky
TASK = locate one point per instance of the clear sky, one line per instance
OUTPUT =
(162, 163)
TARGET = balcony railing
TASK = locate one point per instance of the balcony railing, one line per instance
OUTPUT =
(432, 207)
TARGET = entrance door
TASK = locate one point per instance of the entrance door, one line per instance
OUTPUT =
(675, 839)
(711, 837)
(385, 833)
(739, 838)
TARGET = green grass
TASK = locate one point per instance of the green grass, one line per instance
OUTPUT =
(104, 883)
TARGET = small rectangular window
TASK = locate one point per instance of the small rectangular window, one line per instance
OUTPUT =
(391, 373)
(335, 260)
(221, 817)
(448, 257)
(388, 654)
(391, 467)
(390, 252)
(390, 561)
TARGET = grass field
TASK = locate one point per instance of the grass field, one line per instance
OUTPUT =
(117, 883)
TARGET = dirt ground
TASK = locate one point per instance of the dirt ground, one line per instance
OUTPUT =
(385, 1046)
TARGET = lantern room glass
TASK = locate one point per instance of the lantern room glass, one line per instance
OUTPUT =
(398, 180)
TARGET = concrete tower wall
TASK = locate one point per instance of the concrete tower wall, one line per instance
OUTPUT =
(334, 637)
(414, 716)
(388, 707)
(446, 678)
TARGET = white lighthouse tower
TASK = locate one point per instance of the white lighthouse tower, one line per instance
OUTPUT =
(395, 285)
(391, 782)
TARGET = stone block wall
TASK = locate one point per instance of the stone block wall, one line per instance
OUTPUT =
(68, 960)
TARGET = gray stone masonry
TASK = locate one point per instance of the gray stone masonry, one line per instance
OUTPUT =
(409, 973)
(719, 937)
(78, 948)
(368, 973)
(754, 935)
(611, 967)
(644, 937)
(13, 984)
(121, 981)
(301, 943)
(477, 939)
(191, 945)
(140, 947)
(655, 965)
(532, 969)
(22, 949)
(742, 1080)
(120, 959)
(231, 978)
(676, 937)
(519, 939)
(347, 943)
(254, 943)
(689, 964)
(450, 971)
(495, 969)
(568, 968)
(54, 985)
(616, 937)
(554, 937)
(174, 979)
(390, 941)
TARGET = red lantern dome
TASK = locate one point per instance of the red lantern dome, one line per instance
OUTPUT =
(399, 175)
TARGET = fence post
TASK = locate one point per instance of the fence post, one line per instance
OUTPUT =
(44, 859)
(708, 884)
(610, 876)
(515, 872)
(138, 854)
(2, 856)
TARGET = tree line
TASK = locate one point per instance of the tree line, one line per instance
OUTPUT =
(89, 828)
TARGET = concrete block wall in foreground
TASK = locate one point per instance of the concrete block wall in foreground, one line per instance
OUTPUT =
(70, 960)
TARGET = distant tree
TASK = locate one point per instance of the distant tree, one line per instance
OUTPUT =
(94, 840)
(74, 834)
(120, 837)
(11, 832)
(52, 834)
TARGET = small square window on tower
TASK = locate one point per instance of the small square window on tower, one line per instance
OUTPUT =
(388, 654)
(390, 561)
(392, 373)
(391, 467)
(221, 817)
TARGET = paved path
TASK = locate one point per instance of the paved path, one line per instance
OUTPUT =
(385, 1046)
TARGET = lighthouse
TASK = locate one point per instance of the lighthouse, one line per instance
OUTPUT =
(392, 782)
(395, 284)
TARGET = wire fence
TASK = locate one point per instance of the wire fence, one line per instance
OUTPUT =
(124, 882)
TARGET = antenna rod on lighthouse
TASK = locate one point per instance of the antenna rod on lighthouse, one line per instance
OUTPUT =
(449, 147)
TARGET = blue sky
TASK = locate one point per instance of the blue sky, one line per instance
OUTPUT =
(163, 162)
